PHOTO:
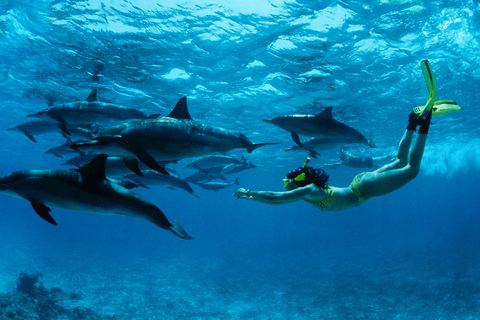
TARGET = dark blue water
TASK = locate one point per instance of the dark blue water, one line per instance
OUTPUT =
(412, 254)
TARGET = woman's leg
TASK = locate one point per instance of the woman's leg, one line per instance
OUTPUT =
(404, 146)
(394, 176)
(402, 155)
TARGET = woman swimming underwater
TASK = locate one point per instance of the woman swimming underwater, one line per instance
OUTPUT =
(311, 185)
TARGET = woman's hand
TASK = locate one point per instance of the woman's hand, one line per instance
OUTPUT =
(242, 193)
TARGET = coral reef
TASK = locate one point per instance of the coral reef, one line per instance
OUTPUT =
(31, 300)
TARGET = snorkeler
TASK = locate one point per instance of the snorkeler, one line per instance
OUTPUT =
(311, 185)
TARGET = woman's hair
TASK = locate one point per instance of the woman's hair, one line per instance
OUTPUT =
(316, 176)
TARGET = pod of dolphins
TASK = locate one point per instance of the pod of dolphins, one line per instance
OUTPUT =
(143, 145)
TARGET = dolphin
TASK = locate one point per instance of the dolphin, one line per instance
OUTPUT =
(213, 161)
(90, 111)
(235, 168)
(215, 185)
(37, 127)
(203, 176)
(152, 177)
(62, 150)
(320, 125)
(315, 145)
(85, 189)
(174, 137)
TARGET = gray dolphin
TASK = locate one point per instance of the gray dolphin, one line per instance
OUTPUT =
(215, 185)
(90, 111)
(235, 168)
(85, 189)
(203, 175)
(213, 161)
(174, 137)
(37, 127)
(320, 125)
(151, 177)
(63, 150)
(315, 145)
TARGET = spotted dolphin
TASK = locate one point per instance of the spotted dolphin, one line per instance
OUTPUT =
(85, 189)
(317, 126)
(171, 138)
(90, 111)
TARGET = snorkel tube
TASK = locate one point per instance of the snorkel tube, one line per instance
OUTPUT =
(306, 162)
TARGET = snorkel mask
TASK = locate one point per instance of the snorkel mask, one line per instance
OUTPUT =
(296, 175)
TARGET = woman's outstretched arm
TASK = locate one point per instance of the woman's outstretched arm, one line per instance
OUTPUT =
(276, 198)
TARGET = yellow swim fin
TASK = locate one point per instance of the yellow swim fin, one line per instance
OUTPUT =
(440, 107)
(431, 87)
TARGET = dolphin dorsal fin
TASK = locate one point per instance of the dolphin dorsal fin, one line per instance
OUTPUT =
(92, 96)
(325, 114)
(95, 169)
(181, 110)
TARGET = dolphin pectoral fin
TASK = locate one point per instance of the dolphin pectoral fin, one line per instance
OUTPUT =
(43, 211)
(254, 146)
(63, 127)
(59, 118)
(296, 138)
(29, 136)
(178, 231)
(132, 164)
(151, 163)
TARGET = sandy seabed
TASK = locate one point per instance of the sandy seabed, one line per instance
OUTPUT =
(270, 286)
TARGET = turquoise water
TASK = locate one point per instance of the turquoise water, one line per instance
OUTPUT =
(412, 254)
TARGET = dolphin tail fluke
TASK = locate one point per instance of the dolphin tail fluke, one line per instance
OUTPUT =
(178, 230)
(254, 146)
(313, 153)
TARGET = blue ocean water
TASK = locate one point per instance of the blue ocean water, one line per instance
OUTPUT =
(412, 254)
